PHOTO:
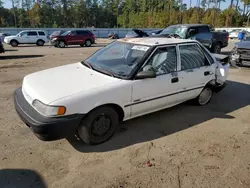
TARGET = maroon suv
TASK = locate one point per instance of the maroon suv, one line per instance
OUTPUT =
(74, 37)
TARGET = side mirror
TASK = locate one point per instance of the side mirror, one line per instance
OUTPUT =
(145, 74)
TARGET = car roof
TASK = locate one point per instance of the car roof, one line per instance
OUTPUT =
(191, 25)
(155, 41)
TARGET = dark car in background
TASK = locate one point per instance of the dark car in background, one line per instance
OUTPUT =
(1, 47)
(240, 54)
(74, 37)
(3, 35)
(212, 40)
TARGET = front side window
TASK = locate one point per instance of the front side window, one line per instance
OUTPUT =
(118, 58)
(192, 57)
(163, 61)
(24, 34)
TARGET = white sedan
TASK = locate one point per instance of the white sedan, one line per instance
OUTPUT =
(126, 79)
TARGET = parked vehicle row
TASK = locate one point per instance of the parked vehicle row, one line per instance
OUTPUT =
(214, 41)
(57, 38)
(123, 80)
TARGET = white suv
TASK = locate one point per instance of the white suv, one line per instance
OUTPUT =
(37, 37)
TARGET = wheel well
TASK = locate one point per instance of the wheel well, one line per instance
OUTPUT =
(219, 42)
(116, 107)
(211, 84)
(41, 40)
(14, 40)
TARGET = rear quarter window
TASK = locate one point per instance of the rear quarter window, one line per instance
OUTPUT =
(41, 33)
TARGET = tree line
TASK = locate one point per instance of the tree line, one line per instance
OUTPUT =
(121, 13)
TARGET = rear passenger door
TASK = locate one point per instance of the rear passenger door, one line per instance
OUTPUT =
(32, 37)
(195, 71)
(82, 36)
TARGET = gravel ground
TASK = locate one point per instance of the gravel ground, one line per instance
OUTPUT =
(181, 147)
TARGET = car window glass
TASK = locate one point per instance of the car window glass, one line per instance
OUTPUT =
(163, 61)
(192, 57)
(41, 33)
(73, 33)
(203, 29)
(23, 34)
(82, 33)
(32, 33)
(120, 58)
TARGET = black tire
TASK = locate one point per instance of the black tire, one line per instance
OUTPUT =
(216, 48)
(40, 43)
(198, 100)
(14, 43)
(103, 119)
(88, 43)
(61, 44)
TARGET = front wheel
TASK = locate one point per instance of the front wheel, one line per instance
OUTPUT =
(14, 43)
(61, 44)
(204, 97)
(99, 125)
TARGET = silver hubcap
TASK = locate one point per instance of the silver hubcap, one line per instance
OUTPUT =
(40, 43)
(88, 43)
(61, 44)
(205, 96)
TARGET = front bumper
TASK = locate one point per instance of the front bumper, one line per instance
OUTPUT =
(217, 88)
(45, 128)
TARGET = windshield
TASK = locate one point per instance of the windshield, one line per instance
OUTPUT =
(65, 33)
(118, 58)
(56, 33)
(179, 30)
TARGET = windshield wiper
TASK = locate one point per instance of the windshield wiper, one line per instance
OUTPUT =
(106, 72)
(87, 64)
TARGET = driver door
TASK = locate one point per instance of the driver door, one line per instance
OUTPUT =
(152, 94)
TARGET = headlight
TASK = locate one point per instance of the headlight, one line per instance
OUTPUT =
(48, 110)
(54, 39)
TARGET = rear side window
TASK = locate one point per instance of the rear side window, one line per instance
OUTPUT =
(203, 29)
(192, 57)
(82, 33)
(32, 33)
(41, 33)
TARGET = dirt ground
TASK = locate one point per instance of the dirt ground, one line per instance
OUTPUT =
(182, 147)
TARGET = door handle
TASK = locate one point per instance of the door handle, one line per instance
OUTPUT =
(174, 80)
(207, 73)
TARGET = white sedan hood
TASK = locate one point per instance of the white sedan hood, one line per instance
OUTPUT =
(55, 83)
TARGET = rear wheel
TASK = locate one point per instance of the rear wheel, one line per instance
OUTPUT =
(88, 43)
(99, 125)
(40, 43)
(216, 48)
(14, 43)
(204, 97)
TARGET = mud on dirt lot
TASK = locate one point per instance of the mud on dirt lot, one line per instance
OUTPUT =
(182, 147)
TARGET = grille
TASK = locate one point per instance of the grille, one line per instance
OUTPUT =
(244, 54)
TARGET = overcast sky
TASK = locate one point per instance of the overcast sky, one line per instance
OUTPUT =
(7, 3)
